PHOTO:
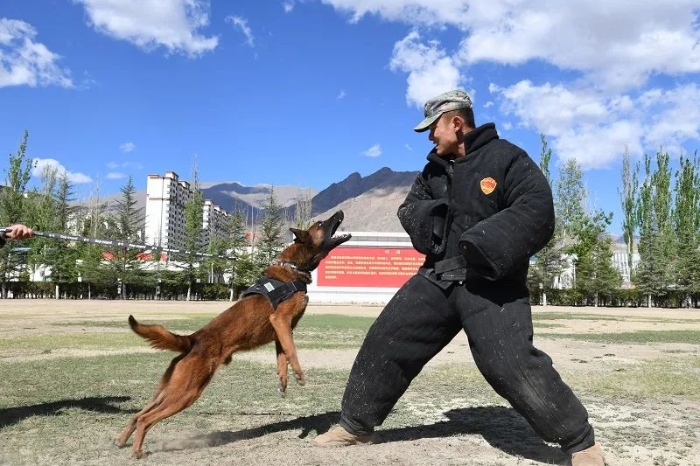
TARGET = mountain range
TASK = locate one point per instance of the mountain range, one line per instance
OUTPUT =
(369, 202)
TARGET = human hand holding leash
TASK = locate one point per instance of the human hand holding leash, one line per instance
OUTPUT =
(17, 231)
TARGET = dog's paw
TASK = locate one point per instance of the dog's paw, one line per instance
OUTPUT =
(300, 379)
(282, 390)
(140, 454)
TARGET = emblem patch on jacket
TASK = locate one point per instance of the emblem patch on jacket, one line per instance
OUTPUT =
(488, 184)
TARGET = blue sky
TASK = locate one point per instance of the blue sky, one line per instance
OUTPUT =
(305, 92)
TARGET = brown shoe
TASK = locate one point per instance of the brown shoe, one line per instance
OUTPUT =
(591, 456)
(339, 437)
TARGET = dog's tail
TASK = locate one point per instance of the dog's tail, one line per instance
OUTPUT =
(160, 337)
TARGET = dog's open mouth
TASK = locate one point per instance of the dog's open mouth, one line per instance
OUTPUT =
(340, 239)
(337, 240)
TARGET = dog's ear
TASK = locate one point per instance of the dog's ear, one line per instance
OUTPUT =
(300, 236)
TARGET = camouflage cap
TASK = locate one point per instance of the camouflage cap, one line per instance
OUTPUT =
(446, 102)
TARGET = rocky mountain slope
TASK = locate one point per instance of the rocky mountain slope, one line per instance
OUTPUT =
(369, 202)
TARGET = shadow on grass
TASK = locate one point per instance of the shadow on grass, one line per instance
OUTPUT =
(10, 416)
(501, 427)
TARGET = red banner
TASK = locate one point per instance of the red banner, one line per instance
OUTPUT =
(376, 267)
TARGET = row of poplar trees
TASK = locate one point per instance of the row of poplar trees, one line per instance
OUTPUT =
(660, 205)
(80, 269)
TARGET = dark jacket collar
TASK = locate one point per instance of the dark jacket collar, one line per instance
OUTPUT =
(479, 137)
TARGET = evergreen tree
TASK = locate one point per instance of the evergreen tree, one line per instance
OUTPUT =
(93, 223)
(63, 260)
(595, 274)
(662, 202)
(649, 277)
(591, 249)
(686, 222)
(550, 261)
(570, 209)
(241, 267)
(39, 207)
(571, 198)
(215, 261)
(193, 238)
(50, 210)
(270, 241)
(630, 184)
(124, 264)
(12, 209)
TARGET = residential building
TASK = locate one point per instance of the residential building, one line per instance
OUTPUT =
(166, 197)
(214, 221)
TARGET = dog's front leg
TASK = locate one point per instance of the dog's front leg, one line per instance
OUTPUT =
(283, 329)
(282, 364)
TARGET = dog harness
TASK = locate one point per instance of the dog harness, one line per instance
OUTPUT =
(275, 290)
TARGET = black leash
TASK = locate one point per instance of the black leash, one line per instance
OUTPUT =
(114, 243)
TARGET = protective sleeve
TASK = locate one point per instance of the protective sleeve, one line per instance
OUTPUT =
(424, 218)
(504, 242)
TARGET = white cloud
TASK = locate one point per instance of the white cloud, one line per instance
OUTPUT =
(586, 36)
(25, 62)
(430, 70)
(551, 108)
(115, 176)
(150, 24)
(374, 151)
(341, 95)
(419, 12)
(594, 128)
(658, 37)
(489, 104)
(408, 147)
(599, 59)
(288, 6)
(242, 24)
(73, 177)
(596, 146)
(675, 116)
(127, 147)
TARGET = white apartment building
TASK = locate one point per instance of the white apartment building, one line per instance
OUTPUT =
(166, 197)
(213, 222)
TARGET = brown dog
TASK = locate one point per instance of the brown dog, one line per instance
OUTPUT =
(249, 323)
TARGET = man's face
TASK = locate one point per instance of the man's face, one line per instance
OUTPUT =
(444, 134)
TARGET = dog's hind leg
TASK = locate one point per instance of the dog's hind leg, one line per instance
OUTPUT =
(282, 364)
(188, 381)
(120, 441)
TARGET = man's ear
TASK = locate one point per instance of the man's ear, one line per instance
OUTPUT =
(458, 123)
(299, 235)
